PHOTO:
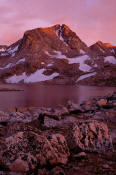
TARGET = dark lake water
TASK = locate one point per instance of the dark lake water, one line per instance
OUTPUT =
(35, 95)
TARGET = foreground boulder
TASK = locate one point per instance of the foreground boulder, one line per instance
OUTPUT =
(90, 136)
(28, 149)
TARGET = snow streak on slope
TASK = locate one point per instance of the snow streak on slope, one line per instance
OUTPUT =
(20, 61)
(13, 64)
(6, 67)
(82, 77)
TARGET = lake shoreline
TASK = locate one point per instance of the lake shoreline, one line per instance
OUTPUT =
(57, 129)
(35, 95)
(7, 89)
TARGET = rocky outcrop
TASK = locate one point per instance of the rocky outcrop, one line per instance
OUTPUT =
(58, 38)
(28, 149)
(90, 136)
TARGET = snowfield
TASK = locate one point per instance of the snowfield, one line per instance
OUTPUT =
(37, 76)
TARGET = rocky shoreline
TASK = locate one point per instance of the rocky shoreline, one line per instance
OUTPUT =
(72, 139)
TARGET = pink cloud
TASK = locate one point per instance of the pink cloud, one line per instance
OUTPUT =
(92, 20)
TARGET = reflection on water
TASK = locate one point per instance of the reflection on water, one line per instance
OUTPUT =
(48, 95)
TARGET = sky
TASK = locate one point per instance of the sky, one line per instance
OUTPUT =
(92, 20)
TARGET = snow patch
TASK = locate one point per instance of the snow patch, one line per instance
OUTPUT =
(6, 67)
(42, 63)
(4, 54)
(12, 51)
(110, 59)
(82, 77)
(112, 50)
(11, 64)
(80, 60)
(2, 50)
(59, 34)
(16, 78)
(82, 52)
(49, 65)
(95, 65)
(59, 55)
(37, 76)
(20, 61)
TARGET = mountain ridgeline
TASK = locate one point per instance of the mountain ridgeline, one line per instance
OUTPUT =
(56, 55)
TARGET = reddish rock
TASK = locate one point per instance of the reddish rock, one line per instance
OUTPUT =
(29, 149)
(102, 102)
(90, 136)
(19, 165)
(103, 49)
(57, 171)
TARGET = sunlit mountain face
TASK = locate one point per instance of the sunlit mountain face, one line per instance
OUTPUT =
(57, 55)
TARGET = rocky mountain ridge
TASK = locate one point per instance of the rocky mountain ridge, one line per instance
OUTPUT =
(56, 55)
(103, 49)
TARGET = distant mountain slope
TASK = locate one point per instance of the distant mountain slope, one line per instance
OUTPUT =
(57, 55)
(103, 49)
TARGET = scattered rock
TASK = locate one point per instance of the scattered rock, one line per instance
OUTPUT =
(57, 171)
(72, 107)
(105, 166)
(80, 155)
(90, 136)
(19, 165)
(33, 141)
(61, 150)
(102, 102)
(43, 172)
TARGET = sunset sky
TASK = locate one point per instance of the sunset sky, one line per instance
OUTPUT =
(92, 20)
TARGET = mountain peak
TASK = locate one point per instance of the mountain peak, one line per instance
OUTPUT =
(109, 45)
(57, 54)
(103, 49)
(100, 43)
(57, 37)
